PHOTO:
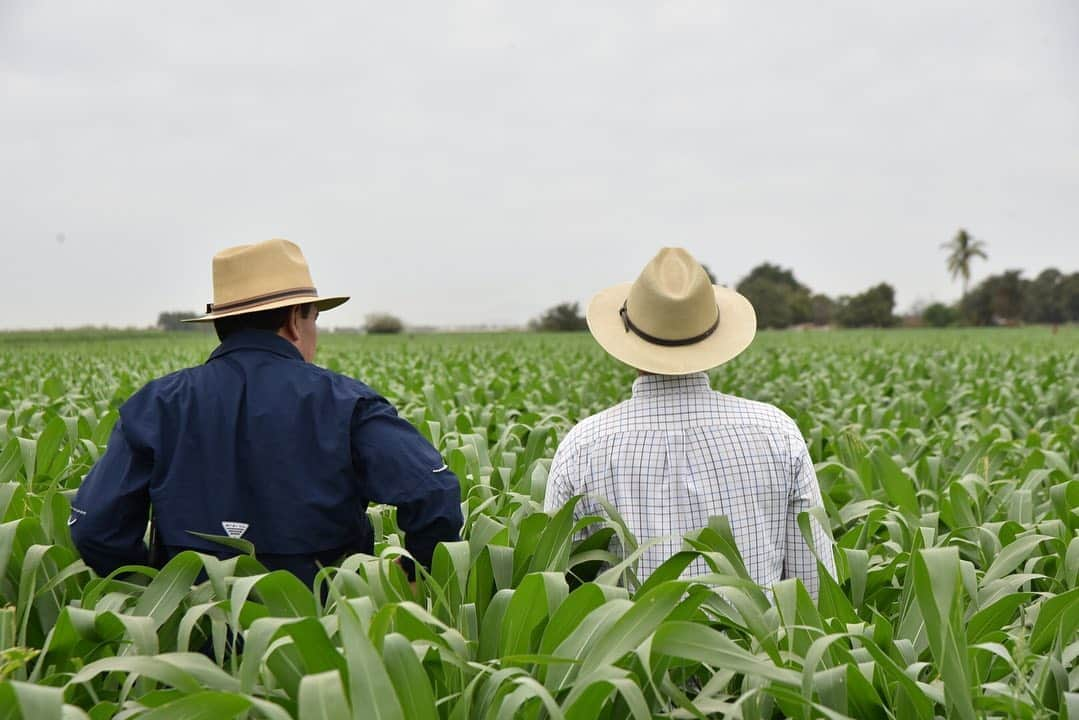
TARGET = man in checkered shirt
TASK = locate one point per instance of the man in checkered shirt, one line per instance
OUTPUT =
(677, 453)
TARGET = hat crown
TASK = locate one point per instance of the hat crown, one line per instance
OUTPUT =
(247, 272)
(673, 298)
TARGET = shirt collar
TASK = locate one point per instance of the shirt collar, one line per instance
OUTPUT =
(649, 385)
(263, 340)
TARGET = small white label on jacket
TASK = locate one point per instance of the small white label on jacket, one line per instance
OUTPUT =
(234, 529)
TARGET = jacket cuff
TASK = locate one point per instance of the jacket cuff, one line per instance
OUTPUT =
(422, 548)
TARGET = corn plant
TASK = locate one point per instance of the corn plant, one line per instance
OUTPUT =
(948, 462)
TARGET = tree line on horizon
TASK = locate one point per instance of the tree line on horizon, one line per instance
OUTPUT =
(782, 301)
(1050, 298)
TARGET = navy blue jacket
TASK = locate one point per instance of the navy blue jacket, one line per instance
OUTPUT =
(260, 444)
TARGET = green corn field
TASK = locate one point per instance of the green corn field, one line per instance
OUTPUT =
(949, 463)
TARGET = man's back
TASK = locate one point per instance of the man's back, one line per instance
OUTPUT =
(256, 439)
(677, 453)
(259, 444)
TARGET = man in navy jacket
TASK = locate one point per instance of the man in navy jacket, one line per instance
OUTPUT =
(259, 443)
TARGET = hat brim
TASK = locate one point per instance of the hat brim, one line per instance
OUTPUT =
(322, 303)
(737, 327)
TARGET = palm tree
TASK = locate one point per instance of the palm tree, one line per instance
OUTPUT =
(963, 248)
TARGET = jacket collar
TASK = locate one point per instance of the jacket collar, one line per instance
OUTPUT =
(263, 340)
(651, 385)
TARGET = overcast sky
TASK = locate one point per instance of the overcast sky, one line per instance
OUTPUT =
(477, 162)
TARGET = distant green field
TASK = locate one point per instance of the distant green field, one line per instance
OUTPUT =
(949, 461)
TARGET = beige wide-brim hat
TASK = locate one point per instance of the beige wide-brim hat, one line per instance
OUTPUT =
(672, 320)
(264, 276)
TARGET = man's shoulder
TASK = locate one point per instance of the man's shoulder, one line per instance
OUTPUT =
(141, 414)
(159, 389)
(339, 383)
(730, 411)
(594, 427)
(754, 413)
(181, 384)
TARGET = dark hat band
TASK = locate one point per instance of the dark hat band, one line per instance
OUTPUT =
(630, 327)
(260, 300)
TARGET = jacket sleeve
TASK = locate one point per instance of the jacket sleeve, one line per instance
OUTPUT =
(397, 466)
(112, 506)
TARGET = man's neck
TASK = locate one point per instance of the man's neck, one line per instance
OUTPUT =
(281, 334)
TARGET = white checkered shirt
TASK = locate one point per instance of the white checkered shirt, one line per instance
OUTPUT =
(675, 454)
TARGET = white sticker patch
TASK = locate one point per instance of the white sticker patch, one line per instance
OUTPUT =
(74, 517)
(234, 529)
(444, 467)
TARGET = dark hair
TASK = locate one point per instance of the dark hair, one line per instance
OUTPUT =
(272, 320)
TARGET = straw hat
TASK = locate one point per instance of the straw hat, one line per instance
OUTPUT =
(264, 276)
(672, 320)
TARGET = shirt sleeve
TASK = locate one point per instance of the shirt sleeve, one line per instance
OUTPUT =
(397, 466)
(559, 478)
(568, 477)
(800, 562)
(112, 506)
